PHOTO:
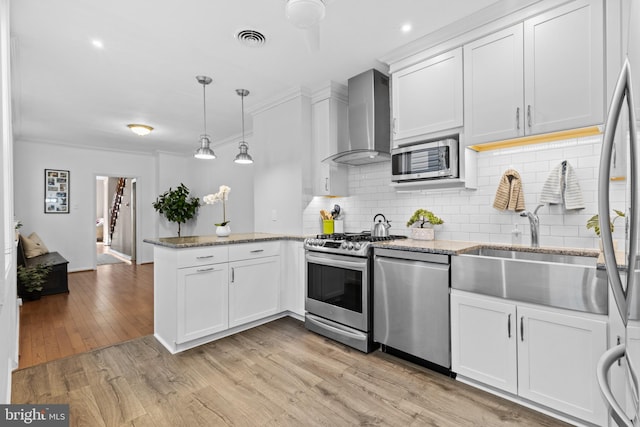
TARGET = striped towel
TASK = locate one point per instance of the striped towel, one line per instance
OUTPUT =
(562, 187)
(509, 195)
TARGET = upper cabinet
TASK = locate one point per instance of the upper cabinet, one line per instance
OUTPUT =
(329, 125)
(540, 76)
(427, 97)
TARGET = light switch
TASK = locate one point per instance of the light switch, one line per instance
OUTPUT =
(274, 215)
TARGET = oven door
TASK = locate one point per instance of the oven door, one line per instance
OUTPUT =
(338, 289)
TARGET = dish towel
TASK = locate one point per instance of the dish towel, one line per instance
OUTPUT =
(509, 195)
(562, 187)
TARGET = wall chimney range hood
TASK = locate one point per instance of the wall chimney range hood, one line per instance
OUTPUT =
(369, 121)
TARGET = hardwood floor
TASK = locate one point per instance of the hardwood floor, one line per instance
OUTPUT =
(103, 307)
(278, 374)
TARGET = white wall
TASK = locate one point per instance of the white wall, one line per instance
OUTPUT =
(282, 141)
(73, 234)
(469, 214)
(8, 298)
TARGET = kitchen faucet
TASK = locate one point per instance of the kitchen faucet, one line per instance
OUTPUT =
(534, 222)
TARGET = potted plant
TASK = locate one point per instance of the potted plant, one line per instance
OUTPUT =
(177, 206)
(32, 278)
(421, 224)
(594, 222)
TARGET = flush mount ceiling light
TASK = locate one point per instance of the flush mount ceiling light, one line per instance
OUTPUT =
(204, 151)
(305, 13)
(139, 129)
(243, 156)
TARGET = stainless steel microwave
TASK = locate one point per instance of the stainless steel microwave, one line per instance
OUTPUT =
(428, 160)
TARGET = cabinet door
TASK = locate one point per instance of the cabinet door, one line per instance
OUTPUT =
(427, 97)
(494, 87)
(564, 68)
(483, 340)
(254, 289)
(329, 128)
(557, 358)
(202, 301)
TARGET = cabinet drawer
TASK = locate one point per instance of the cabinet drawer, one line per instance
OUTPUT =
(202, 256)
(253, 250)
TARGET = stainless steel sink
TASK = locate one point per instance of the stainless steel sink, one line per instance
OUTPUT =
(534, 256)
(556, 280)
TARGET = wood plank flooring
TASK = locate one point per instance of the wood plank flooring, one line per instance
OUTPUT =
(278, 374)
(103, 307)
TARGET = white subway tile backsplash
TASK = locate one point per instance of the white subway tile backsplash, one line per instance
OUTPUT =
(469, 214)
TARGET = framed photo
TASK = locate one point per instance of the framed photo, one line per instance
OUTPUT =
(56, 191)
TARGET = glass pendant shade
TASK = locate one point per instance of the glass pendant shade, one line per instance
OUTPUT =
(243, 156)
(204, 151)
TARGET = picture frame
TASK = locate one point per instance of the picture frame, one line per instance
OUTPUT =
(56, 191)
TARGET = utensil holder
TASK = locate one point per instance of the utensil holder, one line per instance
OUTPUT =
(327, 226)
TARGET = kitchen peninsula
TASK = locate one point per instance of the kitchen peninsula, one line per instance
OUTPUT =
(209, 287)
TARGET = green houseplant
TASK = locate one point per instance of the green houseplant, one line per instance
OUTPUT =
(176, 205)
(424, 217)
(421, 224)
(32, 278)
(594, 222)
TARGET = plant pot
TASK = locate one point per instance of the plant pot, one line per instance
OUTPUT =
(223, 230)
(423, 234)
(33, 295)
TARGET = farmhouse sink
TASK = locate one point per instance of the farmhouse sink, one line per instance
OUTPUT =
(556, 280)
(534, 256)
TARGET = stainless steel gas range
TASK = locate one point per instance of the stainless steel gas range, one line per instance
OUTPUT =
(338, 280)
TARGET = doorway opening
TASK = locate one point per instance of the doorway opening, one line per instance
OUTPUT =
(116, 232)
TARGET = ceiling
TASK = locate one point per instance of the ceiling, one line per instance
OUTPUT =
(66, 91)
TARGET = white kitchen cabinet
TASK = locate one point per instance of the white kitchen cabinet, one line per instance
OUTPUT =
(494, 86)
(545, 355)
(292, 293)
(557, 358)
(254, 289)
(202, 301)
(544, 75)
(483, 340)
(329, 126)
(427, 97)
(205, 293)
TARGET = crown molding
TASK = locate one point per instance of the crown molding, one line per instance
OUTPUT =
(499, 15)
(281, 98)
(330, 89)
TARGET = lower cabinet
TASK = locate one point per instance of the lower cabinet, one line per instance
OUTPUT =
(545, 355)
(254, 289)
(205, 293)
(202, 301)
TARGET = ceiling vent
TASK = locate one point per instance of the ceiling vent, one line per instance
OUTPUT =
(251, 38)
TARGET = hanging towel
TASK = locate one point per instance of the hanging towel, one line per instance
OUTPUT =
(509, 195)
(562, 187)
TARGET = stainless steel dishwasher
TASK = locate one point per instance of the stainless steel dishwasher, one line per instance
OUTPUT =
(411, 304)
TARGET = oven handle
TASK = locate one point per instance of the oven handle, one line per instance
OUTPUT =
(333, 262)
(323, 324)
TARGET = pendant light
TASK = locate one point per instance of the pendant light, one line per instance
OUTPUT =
(243, 156)
(204, 151)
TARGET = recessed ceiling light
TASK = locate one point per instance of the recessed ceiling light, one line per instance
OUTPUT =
(406, 28)
(139, 129)
(97, 44)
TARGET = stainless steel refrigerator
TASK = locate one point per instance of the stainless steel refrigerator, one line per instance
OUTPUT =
(623, 268)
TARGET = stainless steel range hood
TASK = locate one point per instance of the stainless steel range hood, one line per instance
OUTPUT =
(369, 122)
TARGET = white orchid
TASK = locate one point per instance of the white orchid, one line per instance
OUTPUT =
(221, 196)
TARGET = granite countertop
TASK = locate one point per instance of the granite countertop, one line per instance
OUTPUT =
(212, 240)
(455, 247)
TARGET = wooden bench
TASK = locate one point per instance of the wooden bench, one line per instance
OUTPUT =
(56, 280)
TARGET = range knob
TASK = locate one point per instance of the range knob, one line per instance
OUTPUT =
(350, 246)
(357, 246)
(344, 245)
